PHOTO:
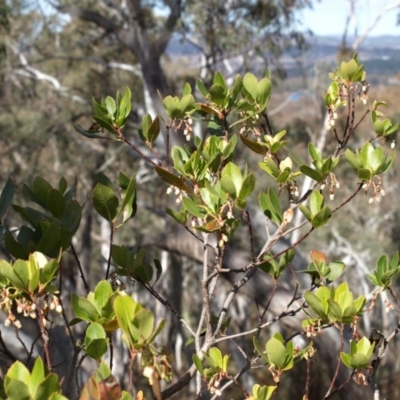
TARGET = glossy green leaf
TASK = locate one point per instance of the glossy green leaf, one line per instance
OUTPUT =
(105, 202)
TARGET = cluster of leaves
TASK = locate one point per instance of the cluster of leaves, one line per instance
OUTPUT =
(213, 191)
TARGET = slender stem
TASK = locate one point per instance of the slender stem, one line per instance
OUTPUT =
(135, 149)
(338, 364)
(112, 230)
(246, 217)
(73, 372)
(80, 268)
(204, 284)
(168, 305)
(43, 331)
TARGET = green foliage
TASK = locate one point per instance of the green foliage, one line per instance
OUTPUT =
(332, 305)
(19, 383)
(317, 213)
(274, 268)
(262, 392)
(48, 232)
(386, 272)
(97, 307)
(360, 354)
(212, 192)
(110, 114)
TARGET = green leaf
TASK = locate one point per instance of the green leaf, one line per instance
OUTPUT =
(48, 388)
(110, 105)
(198, 364)
(145, 126)
(364, 174)
(336, 270)
(105, 202)
(154, 130)
(17, 390)
(219, 79)
(42, 188)
(95, 341)
(316, 202)
(216, 356)
(186, 104)
(17, 372)
(143, 324)
(15, 248)
(259, 349)
(171, 105)
(264, 88)
(128, 186)
(315, 304)
(125, 308)
(156, 331)
(37, 376)
(106, 123)
(50, 242)
(250, 84)
(276, 353)
(88, 134)
(102, 294)
(228, 186)
(353, 159)
(321, 218)
(257, 147)
(6, 197)
(312, 173)
(232, 171)
(366, 154)
(193, 208)
(247, 187)
(84, 309)
(202, 88)
(56, 203)
(270, 205)
(172, 179)
(179, 216)
(217, 94)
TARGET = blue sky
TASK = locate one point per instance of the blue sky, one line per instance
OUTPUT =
(328, 17)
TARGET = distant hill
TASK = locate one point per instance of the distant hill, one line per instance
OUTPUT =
(379, 54)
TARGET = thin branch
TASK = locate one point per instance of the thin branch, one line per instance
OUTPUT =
(82, 274)
(358, 41)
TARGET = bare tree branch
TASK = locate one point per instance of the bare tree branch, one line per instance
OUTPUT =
(359, 40)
